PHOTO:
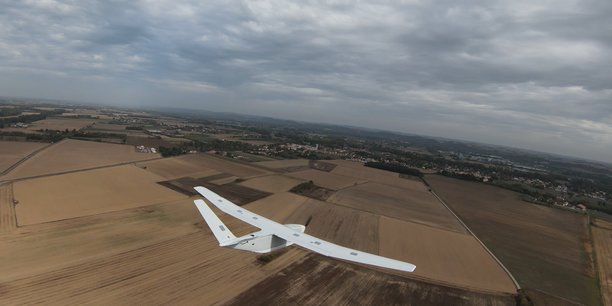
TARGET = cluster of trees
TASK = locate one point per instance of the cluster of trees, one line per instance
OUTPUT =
(27, 118)
(172, 151)
(395, 167)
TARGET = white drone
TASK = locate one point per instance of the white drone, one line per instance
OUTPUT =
(274, 236)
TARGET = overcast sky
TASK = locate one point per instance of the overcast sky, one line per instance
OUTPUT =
(531, 74)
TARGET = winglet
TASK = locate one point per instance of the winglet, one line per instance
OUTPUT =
(221, 232)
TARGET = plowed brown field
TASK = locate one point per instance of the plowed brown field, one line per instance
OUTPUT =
(316, 280)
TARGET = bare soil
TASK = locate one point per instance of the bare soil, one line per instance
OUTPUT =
(238, 194)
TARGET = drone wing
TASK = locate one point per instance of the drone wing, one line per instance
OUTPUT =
(304, 240)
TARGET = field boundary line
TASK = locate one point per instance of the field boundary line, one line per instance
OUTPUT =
(516, 284)
(24, 159)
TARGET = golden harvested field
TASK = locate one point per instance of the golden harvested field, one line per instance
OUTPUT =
(176, 167)
(225, 180)
(154, 255)
(543, 247)
(225, 166)
(272, 183)
(69, 155)
(13, 151)
(60, 124)
(8, 223)
(326, 179)
(410, 205)
(86, 193)
(379, 176)
(442, 255)
(108, 126)
(602, 236)
(283, 163)
(278, 206)
(341, 225)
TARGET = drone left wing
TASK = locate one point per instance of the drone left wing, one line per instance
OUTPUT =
(304, 240)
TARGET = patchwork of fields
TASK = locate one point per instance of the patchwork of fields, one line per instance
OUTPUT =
(100, 222)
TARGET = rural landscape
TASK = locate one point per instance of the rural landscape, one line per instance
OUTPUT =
(96, 206)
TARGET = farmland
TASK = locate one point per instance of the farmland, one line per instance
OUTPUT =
(272, 183)
(544, 248)
(131, 233)
(85, 193)
(602, 236)
(176, 167)
(13, 151)
(155, 255)
(416, 206)
(70, 155)
(60, 124)
(347, 284)
(326, 179)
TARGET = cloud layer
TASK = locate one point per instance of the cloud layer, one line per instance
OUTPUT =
(532, 74)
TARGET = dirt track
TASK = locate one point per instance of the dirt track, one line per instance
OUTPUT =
(12, 152)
